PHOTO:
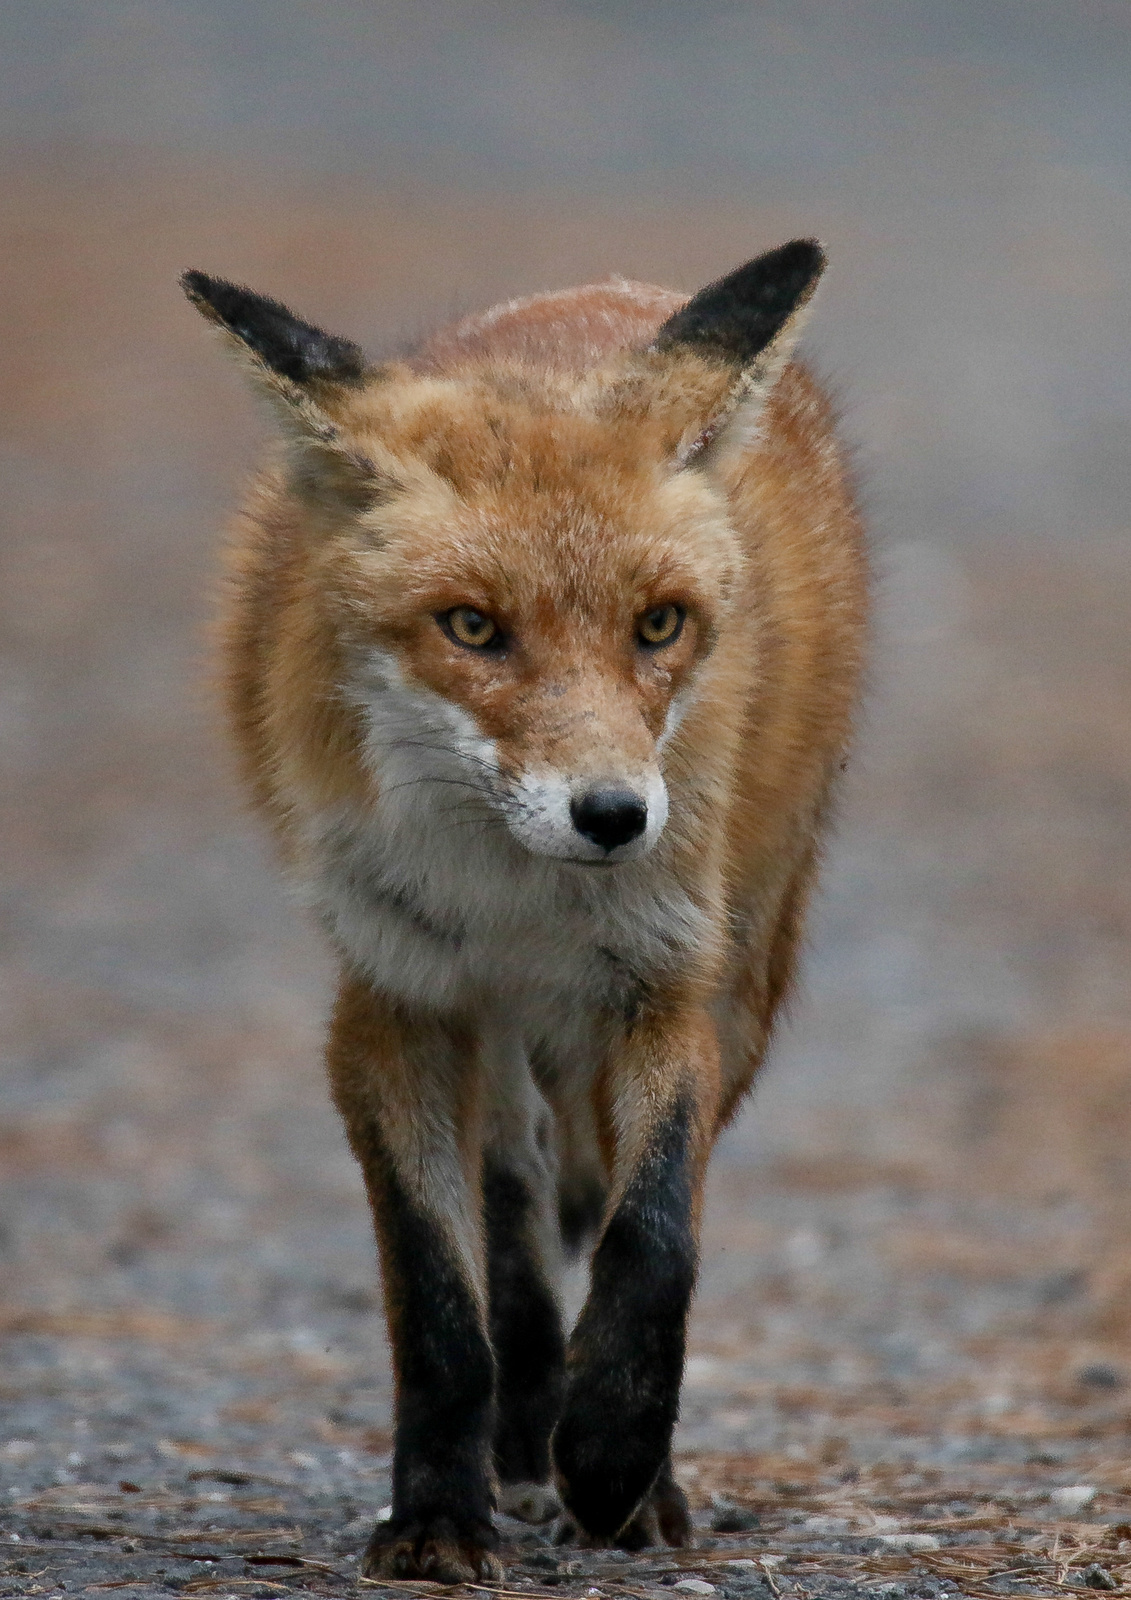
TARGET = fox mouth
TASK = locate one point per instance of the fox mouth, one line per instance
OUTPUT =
(586, 823)
(561, 851)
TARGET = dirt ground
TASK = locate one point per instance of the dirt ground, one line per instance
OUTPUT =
(910, 1367)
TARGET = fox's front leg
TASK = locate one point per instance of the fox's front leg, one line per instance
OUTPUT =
(406, 1087)
(658, 1098)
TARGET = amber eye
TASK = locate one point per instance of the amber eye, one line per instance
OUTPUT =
(661, 625)
(470, 628)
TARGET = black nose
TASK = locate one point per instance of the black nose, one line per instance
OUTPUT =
(609, 816)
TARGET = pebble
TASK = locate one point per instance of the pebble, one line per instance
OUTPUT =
(742, 1564)
(908, 1541)
(1073, 1497)
(694, 1586)
(1097, 1577)
(1101, 1375)
(731, 1518)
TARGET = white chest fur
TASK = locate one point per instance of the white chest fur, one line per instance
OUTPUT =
(450, 913)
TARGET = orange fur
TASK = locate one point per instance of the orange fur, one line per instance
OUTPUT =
(545, 465)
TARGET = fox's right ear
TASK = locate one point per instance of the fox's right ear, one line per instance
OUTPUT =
(304, 371)
(281, 343)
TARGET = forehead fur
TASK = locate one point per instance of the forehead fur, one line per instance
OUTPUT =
(513, 480)
(485, 427)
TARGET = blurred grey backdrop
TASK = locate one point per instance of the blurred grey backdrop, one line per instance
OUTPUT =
(932, 1180)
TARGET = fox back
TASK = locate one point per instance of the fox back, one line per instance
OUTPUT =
(542, 649)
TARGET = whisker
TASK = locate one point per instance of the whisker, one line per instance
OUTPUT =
(487, 818)
(454, 783)
(509, 774)
(447, 811)
(514, 802)
(442, 750)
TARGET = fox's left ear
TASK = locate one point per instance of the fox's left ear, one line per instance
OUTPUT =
(305, 372)
(712, 365)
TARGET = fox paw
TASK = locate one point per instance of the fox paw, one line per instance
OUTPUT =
(434, 1548)
(663, 1517)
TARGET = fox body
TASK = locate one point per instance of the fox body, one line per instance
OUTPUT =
(542, 649)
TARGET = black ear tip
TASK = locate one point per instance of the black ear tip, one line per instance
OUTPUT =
(812, 256)
(283, 342)
(811, 253)
(798, 263)
(204, 290)
(740, 315)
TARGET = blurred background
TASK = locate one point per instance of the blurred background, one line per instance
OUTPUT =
(918, 1232)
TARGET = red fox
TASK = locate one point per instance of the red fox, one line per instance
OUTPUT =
(542, 649)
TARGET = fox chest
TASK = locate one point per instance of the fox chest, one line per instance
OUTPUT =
(452, 935)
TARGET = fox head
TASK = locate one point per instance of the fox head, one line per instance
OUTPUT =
(522, 571)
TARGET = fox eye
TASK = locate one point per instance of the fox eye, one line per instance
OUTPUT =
(471, 628)
(662, 625)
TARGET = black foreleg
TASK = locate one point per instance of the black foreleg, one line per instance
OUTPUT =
(625, 1361)
(402, 1085)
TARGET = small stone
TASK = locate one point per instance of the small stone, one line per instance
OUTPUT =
(693, 1586)
(727, 1517)
(742, 1564)
(909, 1541)
(1100, 1375)
(1097, 1577)
(1073, 1497)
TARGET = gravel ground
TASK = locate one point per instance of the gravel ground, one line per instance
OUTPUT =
(912, 1330)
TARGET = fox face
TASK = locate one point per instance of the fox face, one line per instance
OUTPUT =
(537, 649)
(523, 571)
